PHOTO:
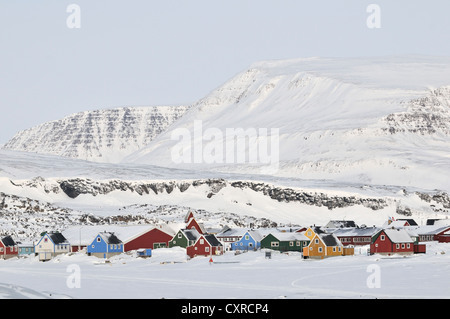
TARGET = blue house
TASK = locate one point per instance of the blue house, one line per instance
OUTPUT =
(26, 249)
(251, 240)
(105, 245)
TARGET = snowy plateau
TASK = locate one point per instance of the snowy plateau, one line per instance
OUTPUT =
(361, 139)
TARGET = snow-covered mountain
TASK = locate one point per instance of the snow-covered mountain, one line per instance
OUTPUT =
(100, 135)
(364, 120)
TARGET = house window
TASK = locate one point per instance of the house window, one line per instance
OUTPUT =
(207, 249)
(403, 246)
(298, 243)
(397, 246)
(274, 244)
(309, 233)
(179, 235)
(291, 243)
(334, 249)
(202, 241)
(408, 246)
(246, 237)
(320, 249)
(382, 237)
(317, 241)
(98, 239)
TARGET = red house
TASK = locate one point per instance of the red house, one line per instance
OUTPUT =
(443, 234)
(197, 226)
(8, 248)
(152, 237)
(392, 241)
(206, 245)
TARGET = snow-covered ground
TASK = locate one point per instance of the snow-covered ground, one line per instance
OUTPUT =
(168, 274)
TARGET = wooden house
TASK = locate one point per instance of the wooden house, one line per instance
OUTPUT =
(206, 245)
(26, 249)
(193, 224)
(251, 240)
(105, 245)
(8, 248)
(227, 236)
(324, 245)
(50, 245)
(391, 241)
(285, 241)
(355, 236)
(184, 238)
(152, 237)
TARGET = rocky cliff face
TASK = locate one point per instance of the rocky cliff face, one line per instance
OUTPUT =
(101, 135)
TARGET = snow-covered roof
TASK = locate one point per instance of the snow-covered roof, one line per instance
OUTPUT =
(354, 232)
(398, 235)
(83, 235)
(281, 236)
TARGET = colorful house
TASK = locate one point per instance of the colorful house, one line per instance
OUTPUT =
(285, 241)
(193, 224)
(151, 237)
(26, 249)
(324, 245)
(206, 245)
(184, 238)
(50, 245)
(392, 241)
(227, 236)
(355, 236)
(251, 240)
(8, 248)
(105, 245)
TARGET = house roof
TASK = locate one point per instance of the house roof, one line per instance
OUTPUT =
(212, 240)
(289, 236)
(8, 241)
(110, 238)
(83, 235)
(398, 235)
(57, 238)
(191, 234)
(232, 232)
(330, 240)
(355, 232)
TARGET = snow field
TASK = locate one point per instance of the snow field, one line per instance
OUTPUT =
(168, 274)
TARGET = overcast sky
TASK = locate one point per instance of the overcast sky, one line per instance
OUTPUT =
(173, 52)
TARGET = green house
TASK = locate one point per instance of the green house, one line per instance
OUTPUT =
(291, 241)
(184, 238)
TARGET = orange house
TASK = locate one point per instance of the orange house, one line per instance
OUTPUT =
(323, 245)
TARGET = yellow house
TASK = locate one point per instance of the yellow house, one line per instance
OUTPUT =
(323, 245)
(312, 231)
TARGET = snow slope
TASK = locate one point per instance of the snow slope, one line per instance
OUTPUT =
(101, 135)
(367, 120)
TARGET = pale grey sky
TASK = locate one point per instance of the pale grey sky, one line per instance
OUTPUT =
(171, 52)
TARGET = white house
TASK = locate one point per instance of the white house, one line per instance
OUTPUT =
(50, 245)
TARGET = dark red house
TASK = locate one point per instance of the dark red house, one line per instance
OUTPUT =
(356, 235)
(193, 224)
(206, 245)
(153, 237)
(443, 234)
(392, 241)
(8, 248)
